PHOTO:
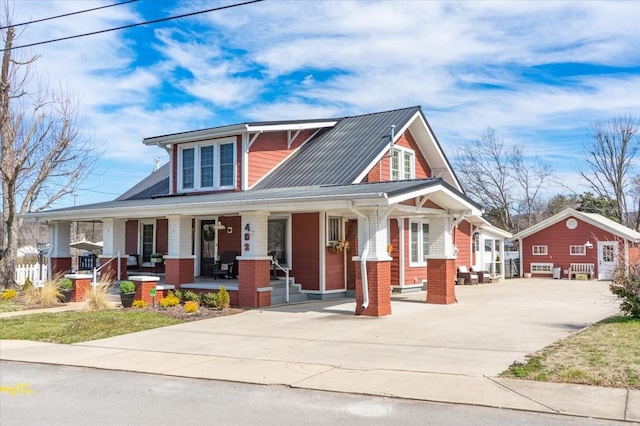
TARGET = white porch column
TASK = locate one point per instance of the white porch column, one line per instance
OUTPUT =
(441, 263)
(59, 250)
(254, 264)
(179, 263)
(113, 235)
(375, 230)
(441, 238)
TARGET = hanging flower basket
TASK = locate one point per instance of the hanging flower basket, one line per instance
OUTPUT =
(338, 246)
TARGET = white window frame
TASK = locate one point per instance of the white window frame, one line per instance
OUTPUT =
(578, 250)
(197, 179)
(422, 261)
(404, 155)
(541, 268)
(539, 250)
(142, 224)
(337, 226)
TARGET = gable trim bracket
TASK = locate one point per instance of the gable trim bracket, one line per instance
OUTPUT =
(252, 139)
(458, 217)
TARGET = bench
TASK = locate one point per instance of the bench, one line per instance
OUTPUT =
(581, 268)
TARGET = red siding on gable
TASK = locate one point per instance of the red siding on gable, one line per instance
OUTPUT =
(462, 240)
(558, 238)
(305, 249)
(269, 150)
(381, 171)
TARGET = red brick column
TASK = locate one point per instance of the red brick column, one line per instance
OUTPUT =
(60, 265)
(81, 285)
(143, 285)
(252, 275)
(178, 271)
(441, 278)
(379, 283)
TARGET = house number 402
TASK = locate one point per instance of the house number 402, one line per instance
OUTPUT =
(247, 237)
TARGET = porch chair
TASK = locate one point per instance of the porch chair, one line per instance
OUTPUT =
(483, 276)
(226, 266)
(470, 278)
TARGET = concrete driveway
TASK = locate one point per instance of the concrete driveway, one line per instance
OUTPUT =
(491, 326)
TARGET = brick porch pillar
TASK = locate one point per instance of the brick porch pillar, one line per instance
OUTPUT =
(254, 265)
(178, 270)
(379, 284)
(81, 285)
(60, 265)
(60, 252)
(144, 284)
(441, 278)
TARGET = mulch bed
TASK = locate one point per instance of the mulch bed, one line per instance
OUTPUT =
(204, 313)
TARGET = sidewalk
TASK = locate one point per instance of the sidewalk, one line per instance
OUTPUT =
(424, 352)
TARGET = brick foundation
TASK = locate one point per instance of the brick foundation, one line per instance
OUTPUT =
(441, 277)
(178, 271)
(379, 283)
(252, 275)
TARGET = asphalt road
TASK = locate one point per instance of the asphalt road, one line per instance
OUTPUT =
(36, 394)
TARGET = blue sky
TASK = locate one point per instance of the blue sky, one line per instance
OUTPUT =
(538, 72)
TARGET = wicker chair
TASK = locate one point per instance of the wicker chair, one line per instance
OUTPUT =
(483, 276)
(469, 277)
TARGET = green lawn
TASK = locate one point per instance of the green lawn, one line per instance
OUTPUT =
(81, 326)
(604, 354)
(10, 306)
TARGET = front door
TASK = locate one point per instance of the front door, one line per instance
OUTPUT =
(207, 247)
(607, 259)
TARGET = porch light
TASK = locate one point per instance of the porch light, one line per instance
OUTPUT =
(219, 225)
(588, 244)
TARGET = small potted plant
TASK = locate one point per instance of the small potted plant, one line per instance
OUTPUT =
(156, 258)
(127, 293)
(65, 286)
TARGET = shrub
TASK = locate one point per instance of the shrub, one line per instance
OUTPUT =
(139, 304)
(45, 297)
(222, 298)
(65, 284)
(9, 294)
(127, 287)
(210, 300)
(169, 300)
(626, 285)
(191, 307)
(190, 296)
(179, 294)
(98, 298)
(27, 284)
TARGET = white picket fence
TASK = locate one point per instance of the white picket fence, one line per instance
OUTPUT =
(30, 271)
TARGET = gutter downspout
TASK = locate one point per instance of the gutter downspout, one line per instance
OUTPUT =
(363, 260)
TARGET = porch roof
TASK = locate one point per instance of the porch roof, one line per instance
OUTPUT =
(296, 199)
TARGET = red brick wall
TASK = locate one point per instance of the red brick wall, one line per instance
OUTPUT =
(110, 270)
(269, 150)
(304, 246)
(80, 288)
(178, 271)
(441, 281)
(379, 284)
(558, 238)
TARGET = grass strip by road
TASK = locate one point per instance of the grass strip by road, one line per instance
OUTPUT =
(80, 326)
(604, 354)
(10, 306)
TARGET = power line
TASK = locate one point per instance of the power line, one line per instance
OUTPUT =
(67, 14)
(135, 25)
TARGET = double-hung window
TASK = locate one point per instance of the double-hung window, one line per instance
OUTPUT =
(207, 165)
(402, 164)
(419, 242)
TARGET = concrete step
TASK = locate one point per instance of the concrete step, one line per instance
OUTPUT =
(293, 298)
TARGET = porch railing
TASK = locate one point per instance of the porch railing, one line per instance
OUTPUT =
(96, 270)
(275, 263)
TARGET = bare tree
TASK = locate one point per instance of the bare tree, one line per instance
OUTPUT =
(44, 154)
(609, 157)
(503, 180)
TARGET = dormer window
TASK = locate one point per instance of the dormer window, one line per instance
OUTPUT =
(207, 165)
(402, 164)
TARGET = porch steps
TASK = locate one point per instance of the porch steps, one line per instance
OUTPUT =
(279, 292)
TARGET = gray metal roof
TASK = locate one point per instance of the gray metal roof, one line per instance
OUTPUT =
(340, 154)
(154, 185)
